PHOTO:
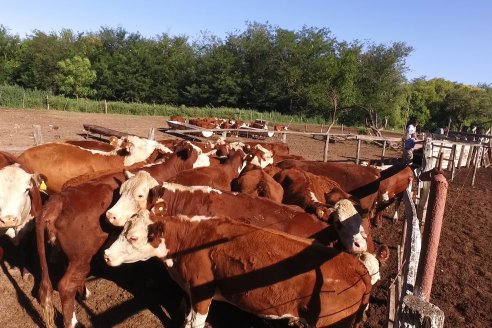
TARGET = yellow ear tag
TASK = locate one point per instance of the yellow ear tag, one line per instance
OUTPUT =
(42, 186)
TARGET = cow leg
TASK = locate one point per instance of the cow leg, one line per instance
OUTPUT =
(73, 280)
(198, 314)
(397, 205)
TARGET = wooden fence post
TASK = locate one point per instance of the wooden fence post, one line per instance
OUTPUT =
(478, 159)
(105, 106)
(357, 155)
(38, 136)
(431, 236)
(284, 137)
(382, 153)
(453, 165)
(462, 152)
(47, 103)
(327, 145)
(151, 135)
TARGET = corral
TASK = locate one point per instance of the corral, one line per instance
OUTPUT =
(463, 282)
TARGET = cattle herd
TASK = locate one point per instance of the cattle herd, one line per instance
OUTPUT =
(243, 222)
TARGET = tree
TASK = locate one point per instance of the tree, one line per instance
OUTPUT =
(75, 77)
(9, 46)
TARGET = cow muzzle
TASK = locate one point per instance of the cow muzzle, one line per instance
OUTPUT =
(9, 221)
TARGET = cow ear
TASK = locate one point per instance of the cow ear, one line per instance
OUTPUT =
(154, 195)
(184, 153)
(129, 174)
(38, 186)
(159, 209)
(155, 233)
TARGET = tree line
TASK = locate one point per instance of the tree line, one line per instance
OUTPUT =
(307, 72)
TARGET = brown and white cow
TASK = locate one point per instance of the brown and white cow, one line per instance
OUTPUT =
(306, 190)
(393, 182)
(60, 162)
(71, 219)
(20, 201)
(362, 182)
(219, 258)
(141, 191)
(256, 182)
(218, 176)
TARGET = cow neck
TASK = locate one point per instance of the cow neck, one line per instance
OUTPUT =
(183, 236)
(169, 168)
(184, 202)
(234, 164)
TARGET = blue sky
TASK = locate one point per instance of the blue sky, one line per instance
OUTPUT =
(451, 39)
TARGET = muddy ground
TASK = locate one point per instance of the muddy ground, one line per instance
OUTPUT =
(141, 295)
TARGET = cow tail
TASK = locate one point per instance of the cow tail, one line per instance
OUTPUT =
(50, 211)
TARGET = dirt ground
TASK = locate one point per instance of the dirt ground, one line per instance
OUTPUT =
(142, 295)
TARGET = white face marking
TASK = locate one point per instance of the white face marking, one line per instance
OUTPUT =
(132, 244)
(134, 193)
(202, 160)
(385, 197)
(140, 149)
(372, 265)
(15, 201)
(350, 230)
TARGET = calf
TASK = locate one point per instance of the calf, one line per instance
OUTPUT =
(141, 191)
(258, 183)
(60, 162)
(218, 176)
(306, 190)
(71, 219)
(394, 181)
(224, 259)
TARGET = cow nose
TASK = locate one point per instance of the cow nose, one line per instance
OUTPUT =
(106, 258)
(110, 216)
(8, 219)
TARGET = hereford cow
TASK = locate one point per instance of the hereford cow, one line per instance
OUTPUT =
(72, 221)
(361, 182)
(394, 181)
(141, 191)
(71, 212)
(256, 182)
(92, 145)
(20, 200)
(177, 118)
(60, 162)
(221, 258)
(217, 177)
(306, 190)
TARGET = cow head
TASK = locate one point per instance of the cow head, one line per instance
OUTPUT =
(348, 226)
(372, 266)
(20, 198)
(140, 240)
(139, 149)
(133, 197)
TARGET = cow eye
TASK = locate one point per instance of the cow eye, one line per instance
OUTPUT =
(140, 196)
(133, 239)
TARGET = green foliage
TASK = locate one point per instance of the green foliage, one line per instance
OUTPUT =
(75, 77)
(301, 74)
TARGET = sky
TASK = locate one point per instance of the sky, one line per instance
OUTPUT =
(451, 39)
